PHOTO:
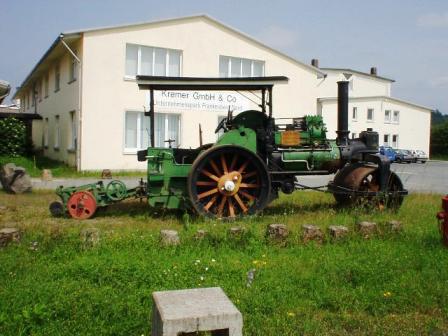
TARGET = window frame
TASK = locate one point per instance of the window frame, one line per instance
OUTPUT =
(386, 144)
(355, 113)
(240, 59)
(73, 68)
(129, 150)
(46, 133)
(396, 141)
(387, 120)
(373, 114)
(57, 132)
(73, 132)
(57, 77)
(139, 62)
(396, 120)
(46, 85)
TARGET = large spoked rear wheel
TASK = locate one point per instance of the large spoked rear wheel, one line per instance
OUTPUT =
(365, 178)
(228, 181)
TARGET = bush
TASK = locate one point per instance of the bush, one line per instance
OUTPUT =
(12, 137)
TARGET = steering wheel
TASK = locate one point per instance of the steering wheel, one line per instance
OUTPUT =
(222, 125)
(116, 190)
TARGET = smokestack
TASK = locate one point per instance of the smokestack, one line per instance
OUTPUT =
(342, 132)
(315, 62)
(373, 71)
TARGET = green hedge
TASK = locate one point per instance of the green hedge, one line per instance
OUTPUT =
(12, 137)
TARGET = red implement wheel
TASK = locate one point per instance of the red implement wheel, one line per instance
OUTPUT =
(81, 205)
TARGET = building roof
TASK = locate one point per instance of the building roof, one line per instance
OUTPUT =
(385, 98)
(78, 33)
(358, 73)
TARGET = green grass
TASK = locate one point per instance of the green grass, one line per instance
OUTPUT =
(34, 166)
(387, 285)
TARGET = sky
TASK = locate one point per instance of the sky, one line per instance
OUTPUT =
(407, 40)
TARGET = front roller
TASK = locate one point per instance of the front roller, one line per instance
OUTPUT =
(227, 182)
(358, 184)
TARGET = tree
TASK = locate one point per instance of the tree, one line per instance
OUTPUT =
(439, 139)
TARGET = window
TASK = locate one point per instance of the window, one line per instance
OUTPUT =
(56, 132)
(73, 69)
(46, 86)
(27, 100)
(73, 131)
(387, 116)
(137, 130)
(143, 60)
(396, 117)
(33, 95)
(57, 77)
(370, 114)
(395, 140)
(46, 130)
(355, 113)
(221, 132)
(386, 139)
(240, 67)
(39, 91)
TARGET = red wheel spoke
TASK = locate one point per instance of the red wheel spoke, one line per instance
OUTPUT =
(253, 173)
(247, 195)
(208, 193)
(249, 185)
(233, 163)
(206, 183)
(221, 206)
(224, 164)
(243, 166)
(240, 202)
(211, 202)
(231, 208)
(215, 167)
(207, 173)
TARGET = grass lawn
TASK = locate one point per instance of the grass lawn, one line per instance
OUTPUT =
(386, 285)
(34, 166)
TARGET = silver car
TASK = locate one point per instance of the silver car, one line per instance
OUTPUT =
(420, 155)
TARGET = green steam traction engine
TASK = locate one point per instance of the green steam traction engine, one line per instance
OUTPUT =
(255, 157)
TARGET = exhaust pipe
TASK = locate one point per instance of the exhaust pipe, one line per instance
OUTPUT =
(342, 131)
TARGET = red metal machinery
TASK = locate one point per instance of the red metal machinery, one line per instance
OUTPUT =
(442, 216)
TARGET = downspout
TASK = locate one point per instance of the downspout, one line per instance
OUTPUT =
(79, 128)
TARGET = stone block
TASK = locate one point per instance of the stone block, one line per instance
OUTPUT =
(169, 237)
(312, 233)
(189, 311)
(90, 237)
(394, 226)
(8, 235)
(337, 232)
(366, 229)
(15, 179)
(106, 174)
(236, 231)
(200, 234)
(277, 232)
(47, 175)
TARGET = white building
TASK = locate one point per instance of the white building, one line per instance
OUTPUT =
(93, 110)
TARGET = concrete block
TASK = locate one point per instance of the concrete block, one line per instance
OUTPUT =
(337, 232)
(106, 174)
(236, 231)
(277, 232)
(47, 175)
(366, 229)
(169, 237)
(394, 226)
(312, 233)
(200, 234)
(181, 312)
(8, 235)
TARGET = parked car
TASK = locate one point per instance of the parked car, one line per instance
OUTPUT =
(403, 155)
(420, 155)
(389, 152)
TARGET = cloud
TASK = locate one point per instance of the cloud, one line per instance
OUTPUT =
(439, 82)
(433, 20)
(278, 37)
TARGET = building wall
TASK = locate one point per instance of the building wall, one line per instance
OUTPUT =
(108, 94)
(57, 103)
(360, 85)
(413, 127)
